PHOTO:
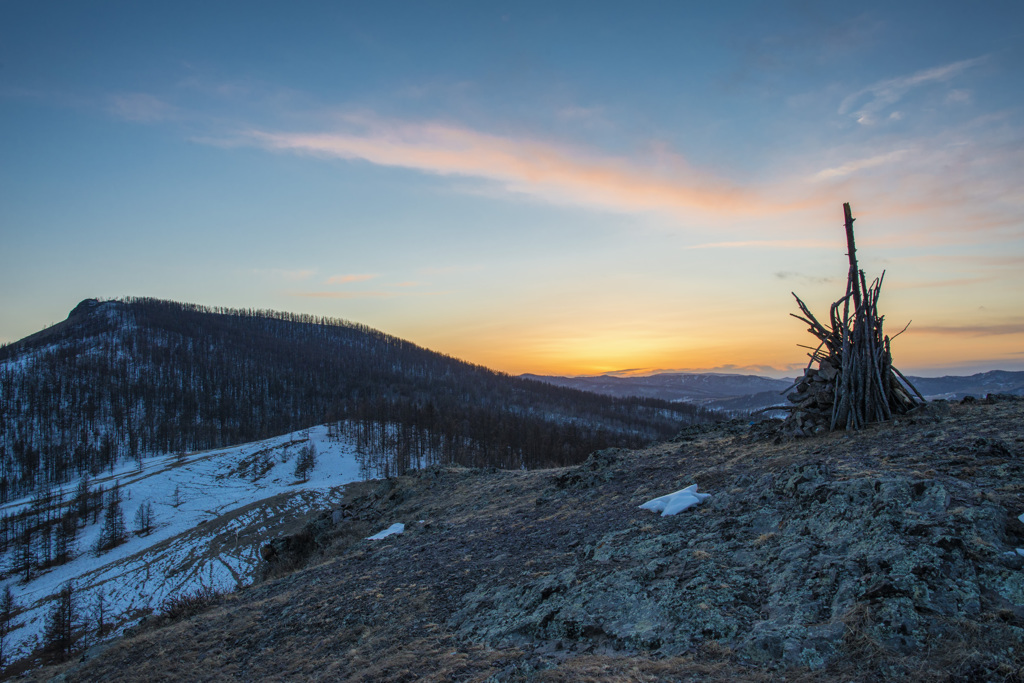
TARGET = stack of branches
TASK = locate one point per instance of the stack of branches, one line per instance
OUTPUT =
(855, 382)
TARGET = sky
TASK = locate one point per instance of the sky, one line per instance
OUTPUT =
(568, 188)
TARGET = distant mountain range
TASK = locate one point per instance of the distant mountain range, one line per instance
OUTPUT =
(979, 385)
(719, 391)
(693, 388)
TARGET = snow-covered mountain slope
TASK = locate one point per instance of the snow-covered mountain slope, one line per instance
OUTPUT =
(212, 511)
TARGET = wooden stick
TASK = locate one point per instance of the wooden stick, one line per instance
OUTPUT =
(909, 384)
(851, 251)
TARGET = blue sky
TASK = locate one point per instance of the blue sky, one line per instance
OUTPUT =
(566, 188)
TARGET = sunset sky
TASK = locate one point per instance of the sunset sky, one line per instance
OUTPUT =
(551, 187)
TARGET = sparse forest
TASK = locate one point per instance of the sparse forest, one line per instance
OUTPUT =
(122, 379)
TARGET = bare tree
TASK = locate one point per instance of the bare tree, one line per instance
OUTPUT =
(176, 499)
(144, 518)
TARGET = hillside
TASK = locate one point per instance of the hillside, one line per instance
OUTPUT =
(127, 379)
(209, 513)
(888, 554)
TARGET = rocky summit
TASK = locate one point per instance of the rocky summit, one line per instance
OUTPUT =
(885, 554)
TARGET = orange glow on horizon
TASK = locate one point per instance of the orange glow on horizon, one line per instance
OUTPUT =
(774, 352)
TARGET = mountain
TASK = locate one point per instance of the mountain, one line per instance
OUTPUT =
(979, 385)
(890, 554)
(741, 393)
(124, 379)
(690, 387)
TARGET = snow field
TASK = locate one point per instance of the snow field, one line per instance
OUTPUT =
(231, 500)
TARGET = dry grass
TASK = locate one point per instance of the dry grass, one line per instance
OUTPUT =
(189, 604)
(379, 611)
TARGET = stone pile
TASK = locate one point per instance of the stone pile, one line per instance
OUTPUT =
(813, 398)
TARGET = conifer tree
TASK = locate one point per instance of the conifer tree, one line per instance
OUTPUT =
(114, 531)
(99, 613)
(24, 552)
(305, 462)
(44, 554)
(6, 525)
(97, 496)
(7, 609)
(82, 498)
(58, 633)
(67, 530)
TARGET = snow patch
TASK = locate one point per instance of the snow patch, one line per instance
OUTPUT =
(396, 528)
(674, 503)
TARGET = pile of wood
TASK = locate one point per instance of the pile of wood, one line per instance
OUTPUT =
(855, 382)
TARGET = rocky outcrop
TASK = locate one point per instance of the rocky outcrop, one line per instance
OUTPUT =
(785, 569)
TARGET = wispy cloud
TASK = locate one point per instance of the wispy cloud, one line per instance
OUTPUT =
(958, 96)
(580, 113)
(859, 165)
(727, 369)
(140, 107)
(973, 330)
(986, 260)
(951, 282)
(449, 270)
(769, 244)
(361, 295)
(345, 279)
(874, 99)
(810, 279)
(522, 166)
(344, 295)
(283, 273)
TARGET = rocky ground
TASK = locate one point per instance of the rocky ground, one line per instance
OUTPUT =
(882, 555)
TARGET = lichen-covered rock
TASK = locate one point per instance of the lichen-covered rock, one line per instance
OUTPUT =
(777, 570)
